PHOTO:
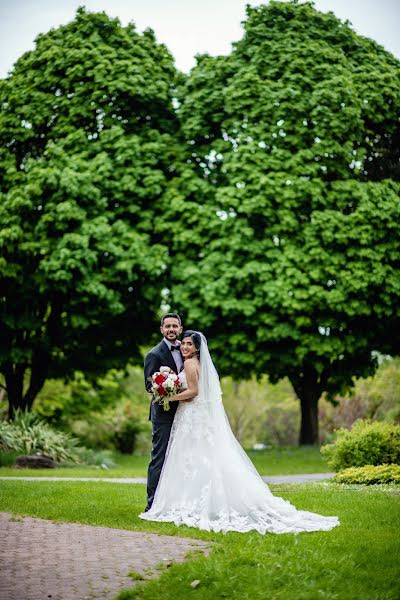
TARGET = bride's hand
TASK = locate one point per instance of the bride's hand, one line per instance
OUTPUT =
(176, 399)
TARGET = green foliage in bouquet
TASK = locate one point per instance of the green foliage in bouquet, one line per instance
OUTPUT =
(367, 443)
(369, 475)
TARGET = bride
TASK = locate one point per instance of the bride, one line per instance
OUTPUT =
(208, 481)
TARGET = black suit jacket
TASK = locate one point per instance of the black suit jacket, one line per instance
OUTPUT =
(159, 356)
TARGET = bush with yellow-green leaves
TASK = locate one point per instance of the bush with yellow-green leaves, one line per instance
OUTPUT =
(369, 475)
(367, 443)
(367, 454)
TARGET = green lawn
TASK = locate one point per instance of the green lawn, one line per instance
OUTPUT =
(359, 559)
(276, 461)
(288, 461)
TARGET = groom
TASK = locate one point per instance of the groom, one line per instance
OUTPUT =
(166, 354)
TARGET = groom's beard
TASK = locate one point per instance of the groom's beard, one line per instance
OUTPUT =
(172, 336)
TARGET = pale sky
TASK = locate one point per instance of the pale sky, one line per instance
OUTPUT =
(187, 27)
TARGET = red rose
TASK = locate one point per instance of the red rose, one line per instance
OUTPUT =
(159, 379)
(161, 391)
(176, 383)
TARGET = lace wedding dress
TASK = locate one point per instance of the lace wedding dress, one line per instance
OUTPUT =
(208, 481)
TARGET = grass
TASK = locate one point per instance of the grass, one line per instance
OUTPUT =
(275, 461)
(127, 466)
(359, 559)
(288, 461)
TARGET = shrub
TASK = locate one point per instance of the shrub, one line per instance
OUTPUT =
(376, 398)
(28, 434)
(367, 443)
(90, 457)
(125, 436)
(369, 475)
(114, 429)
(7, 436)
(8, 458)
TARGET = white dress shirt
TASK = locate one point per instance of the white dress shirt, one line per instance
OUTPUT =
(176, 354)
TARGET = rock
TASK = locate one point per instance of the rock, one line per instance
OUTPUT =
(35, 461)
(195, 583)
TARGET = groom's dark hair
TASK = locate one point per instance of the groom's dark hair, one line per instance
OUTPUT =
(171, 316)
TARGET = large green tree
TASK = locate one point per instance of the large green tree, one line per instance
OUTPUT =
(289, 251)
(87, 148)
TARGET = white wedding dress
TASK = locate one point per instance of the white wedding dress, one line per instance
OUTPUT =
(208, 481)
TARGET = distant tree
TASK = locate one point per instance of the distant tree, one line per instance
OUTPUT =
(60, 402)
(288, 253)
(376, 398)
(261, 412)
(87, 148)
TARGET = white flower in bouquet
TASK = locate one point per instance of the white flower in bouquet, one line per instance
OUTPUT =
(169, 384)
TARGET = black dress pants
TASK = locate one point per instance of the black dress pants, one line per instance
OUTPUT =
(161, 433)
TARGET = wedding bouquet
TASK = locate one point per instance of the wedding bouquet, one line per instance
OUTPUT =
(164, 383)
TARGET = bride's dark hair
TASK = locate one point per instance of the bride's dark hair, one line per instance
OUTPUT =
(195, 336)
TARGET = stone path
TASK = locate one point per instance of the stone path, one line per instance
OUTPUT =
(303, 478)
(41, 560)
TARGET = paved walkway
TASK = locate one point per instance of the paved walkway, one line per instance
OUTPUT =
(68, 561)
(303, 478)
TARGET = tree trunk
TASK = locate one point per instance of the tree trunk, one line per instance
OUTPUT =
(308, 389)
(39, 373)
(38, 366)
(3, 394)
(14, 375)
(309, 421)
